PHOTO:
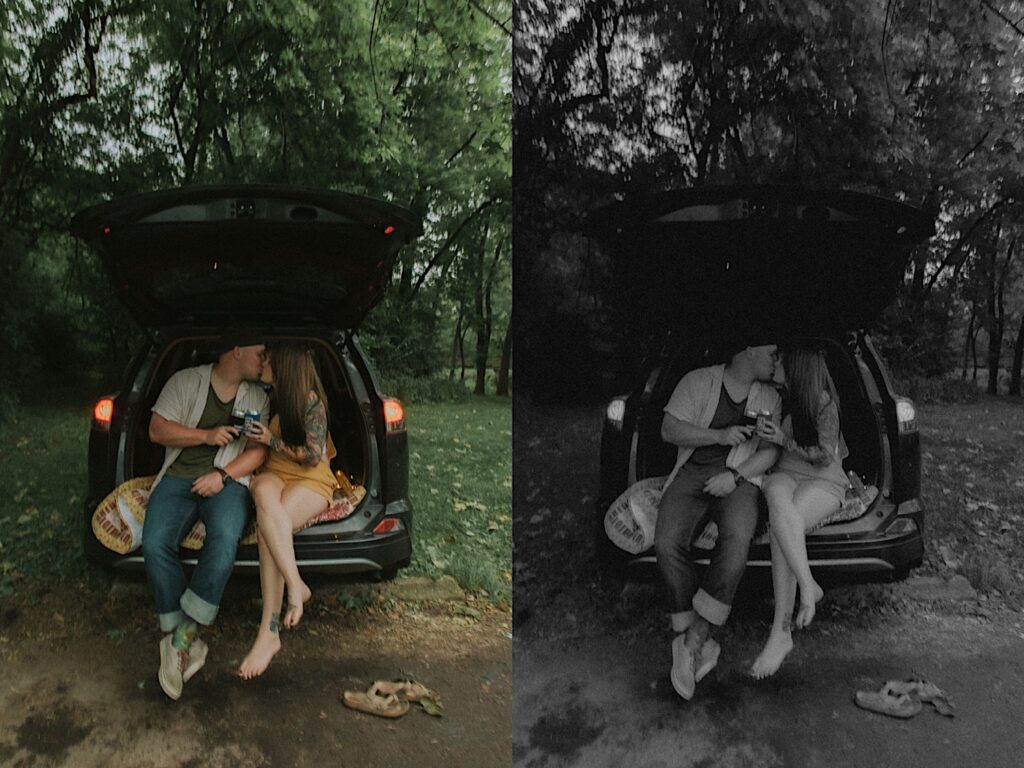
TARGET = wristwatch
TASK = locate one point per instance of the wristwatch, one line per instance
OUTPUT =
(225, 477)
(737, 477)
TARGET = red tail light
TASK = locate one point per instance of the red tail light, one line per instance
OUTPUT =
(388, 525)
(394, 415)
(102, 413)
(389, 229)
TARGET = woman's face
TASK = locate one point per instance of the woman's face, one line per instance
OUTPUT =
(780, 372)
(267, 377)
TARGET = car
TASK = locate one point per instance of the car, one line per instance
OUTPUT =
(288, 263)
(698, 270)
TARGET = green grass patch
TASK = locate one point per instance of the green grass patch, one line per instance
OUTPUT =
(461, 487)
(42, 485)
(460, 476)
(973, 490)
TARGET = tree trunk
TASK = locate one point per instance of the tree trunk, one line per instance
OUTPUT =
(1018, 359)
(456, 343)
(506, 361)
(993, 319)
(968, 339)
(483, 341)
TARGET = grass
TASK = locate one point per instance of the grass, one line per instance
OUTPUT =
(461, 486)
(973, 490)
(460, 478)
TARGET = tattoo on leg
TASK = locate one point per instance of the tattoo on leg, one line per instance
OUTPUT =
(275, 622)
(787, 624)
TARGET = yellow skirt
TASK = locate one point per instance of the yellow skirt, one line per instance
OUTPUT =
(319, 478)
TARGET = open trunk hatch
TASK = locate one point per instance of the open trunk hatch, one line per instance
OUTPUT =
(787, 258)
(231, 255)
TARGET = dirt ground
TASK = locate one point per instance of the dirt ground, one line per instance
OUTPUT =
(79, 685)
(592, 659)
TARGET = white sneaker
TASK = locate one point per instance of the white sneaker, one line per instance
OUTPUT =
(682, 674)
(172, 667)
(196, 658)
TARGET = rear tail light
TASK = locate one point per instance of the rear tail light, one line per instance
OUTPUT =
(389, 525)
(906, 415)
(616, 412)
(394, 415)
(902, 526)
(102, 413)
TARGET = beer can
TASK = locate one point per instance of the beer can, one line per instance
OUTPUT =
(763, 417)
(250, 417)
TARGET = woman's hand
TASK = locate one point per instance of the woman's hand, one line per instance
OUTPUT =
(772, 433)
(259, 433)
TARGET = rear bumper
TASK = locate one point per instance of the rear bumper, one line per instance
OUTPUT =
(370, 556)
(319, 549)
(870, 557)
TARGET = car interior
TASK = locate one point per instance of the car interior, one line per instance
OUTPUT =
(143, 457)
(858, 421)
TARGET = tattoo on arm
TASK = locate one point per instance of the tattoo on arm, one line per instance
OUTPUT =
(308, 455)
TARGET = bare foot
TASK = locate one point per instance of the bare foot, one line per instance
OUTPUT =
(293, 611)
(258, 659)
(808, 603)
(775, 650)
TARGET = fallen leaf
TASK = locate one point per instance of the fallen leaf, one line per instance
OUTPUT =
(431, 707)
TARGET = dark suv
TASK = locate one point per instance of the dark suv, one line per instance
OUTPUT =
(291, 263)
(699, 270)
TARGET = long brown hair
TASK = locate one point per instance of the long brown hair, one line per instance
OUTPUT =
(295, 377)
(807, 377)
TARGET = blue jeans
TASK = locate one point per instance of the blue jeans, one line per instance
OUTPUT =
(683, 513)
(171, 512)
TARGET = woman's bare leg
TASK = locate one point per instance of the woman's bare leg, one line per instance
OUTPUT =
(811, 505)
(793, 510)
(780, 639)
(279, 512)
(268, 637)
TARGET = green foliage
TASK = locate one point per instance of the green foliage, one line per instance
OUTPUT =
(938, 389)
(401, 338)
(912, 336)
(426, 389)
(916, 101)
(406, 102)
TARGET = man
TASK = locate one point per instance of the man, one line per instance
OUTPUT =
(717, 471)
(205, 476)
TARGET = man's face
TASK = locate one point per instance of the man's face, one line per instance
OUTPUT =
(765, 359)
(250, 361)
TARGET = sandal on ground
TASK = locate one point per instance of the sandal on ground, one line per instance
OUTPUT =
(405, 690)
(372, 704)
(922, 690)
(885, 703)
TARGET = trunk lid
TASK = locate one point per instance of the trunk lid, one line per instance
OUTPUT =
(234, 255)
(784, 260)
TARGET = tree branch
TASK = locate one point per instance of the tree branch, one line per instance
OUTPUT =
(1016, 28)
(497, 22)
(448, 244)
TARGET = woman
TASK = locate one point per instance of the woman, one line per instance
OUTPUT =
(806, 486)
(295, 485)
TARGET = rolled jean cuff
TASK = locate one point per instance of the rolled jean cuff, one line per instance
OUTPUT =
(197, 608)
(170, 621)
(681, 621)
(715, 611)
